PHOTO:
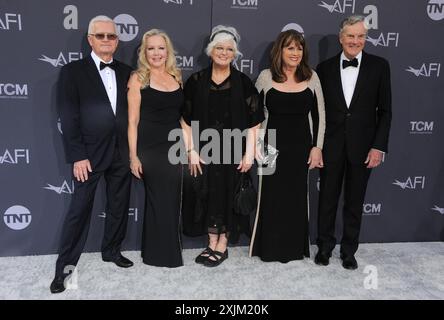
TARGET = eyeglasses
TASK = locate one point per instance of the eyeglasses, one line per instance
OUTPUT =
(101, 36)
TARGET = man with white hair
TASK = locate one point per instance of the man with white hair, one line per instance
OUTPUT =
(94, 116)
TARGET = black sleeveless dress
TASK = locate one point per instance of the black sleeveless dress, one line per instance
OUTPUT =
(161, 237)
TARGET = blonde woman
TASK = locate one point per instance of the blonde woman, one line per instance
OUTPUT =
(154, 103)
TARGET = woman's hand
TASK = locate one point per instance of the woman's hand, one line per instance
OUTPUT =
(136, 167)
(246, 162)
(315, 158)
(194, 161)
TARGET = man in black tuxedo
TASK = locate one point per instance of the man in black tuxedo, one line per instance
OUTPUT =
(356, 87)
(94, 117)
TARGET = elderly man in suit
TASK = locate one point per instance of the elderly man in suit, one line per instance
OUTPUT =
(94, 117)
(357, 94)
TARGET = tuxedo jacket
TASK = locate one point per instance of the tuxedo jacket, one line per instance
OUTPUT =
(366, 123)
(90, 128)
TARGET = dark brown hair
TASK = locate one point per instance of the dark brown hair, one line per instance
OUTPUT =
(284, 39)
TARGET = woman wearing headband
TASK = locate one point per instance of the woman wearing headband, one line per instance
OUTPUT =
(218, 98)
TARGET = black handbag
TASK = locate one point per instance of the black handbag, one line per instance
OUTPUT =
(245, 197)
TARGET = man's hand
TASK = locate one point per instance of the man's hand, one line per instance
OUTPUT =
(81, 169)
(374, 158)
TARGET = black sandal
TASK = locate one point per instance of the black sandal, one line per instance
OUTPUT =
(204, 255)
(219, 256)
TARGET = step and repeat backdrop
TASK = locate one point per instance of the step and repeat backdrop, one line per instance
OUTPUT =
(405, 198)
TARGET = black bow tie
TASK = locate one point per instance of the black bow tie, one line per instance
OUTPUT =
(352, 63)
(103, 65)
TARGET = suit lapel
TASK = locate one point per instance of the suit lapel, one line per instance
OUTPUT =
(337, 81)
(360, 82)
(121, 89)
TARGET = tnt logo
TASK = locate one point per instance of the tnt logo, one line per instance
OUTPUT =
(245, 4)
(244, 65)
(421, 127)
(343, 6)
(13, 91)
(15, 156)
(62, 59)
(185, 63)
(127, 27)
(17, 217)
(411, 183)
(385, 40)
(371, 209)
(11, 21)
(435, 9)
(426, 70)
(66, 187)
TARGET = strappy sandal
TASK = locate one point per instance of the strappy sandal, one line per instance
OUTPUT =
(204, 255)
(218, 256)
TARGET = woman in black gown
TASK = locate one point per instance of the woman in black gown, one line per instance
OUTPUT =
(155, 99)
(295, 104)
(218, 98)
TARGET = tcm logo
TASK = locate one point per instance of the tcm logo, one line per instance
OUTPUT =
(17, 217)
(426, 70)
(293, 26)
(438, 209)
(64, 188)
(244, 65)
(185, 63)
(411, 183)
(421, 127)
(340, 6)
(132, 212)
(435, 9)
(62, 59)
(11, 21)
(180, 2)
(127, 27)
(13, 91)
(390, 39)
(371, 209)
(244, 4)
(15, 156)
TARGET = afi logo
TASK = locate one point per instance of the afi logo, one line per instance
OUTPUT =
(435, 9)
(132, 212)
(127, 27)
(17, 217)
(421, 127)
(438, 209)
(411, 183)
(185, 63)
(426, 70)
(62, 59)
(244, 4)
(385, 40)
(372, 209)
(64, 188)
(339, 6)
(11, 20)
(244, 65)
(13, 91)
(15, 156)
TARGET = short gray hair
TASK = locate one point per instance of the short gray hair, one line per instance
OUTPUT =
(351, 20)
(220, 34)
(100, 19)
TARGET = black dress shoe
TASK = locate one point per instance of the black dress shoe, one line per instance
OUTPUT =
(120, 261)
(349, 262)
(203, 255)
(322, 258)
(57, 285)
(218, 257)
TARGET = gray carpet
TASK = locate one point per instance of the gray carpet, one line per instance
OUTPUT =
(404, 271)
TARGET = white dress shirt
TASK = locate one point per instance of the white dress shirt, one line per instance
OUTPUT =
(349, 76)
(108, 76)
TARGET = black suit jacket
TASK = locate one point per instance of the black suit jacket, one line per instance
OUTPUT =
(90, 128)
(366, 123)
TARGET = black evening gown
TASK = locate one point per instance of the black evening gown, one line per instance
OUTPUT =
(161, 237)
(282, 225)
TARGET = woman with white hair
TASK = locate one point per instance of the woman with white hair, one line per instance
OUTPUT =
(218, 98)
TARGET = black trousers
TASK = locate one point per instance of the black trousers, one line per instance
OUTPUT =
(333, 176)
(76, 224)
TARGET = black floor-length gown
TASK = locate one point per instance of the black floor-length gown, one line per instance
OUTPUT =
(161, 237)
(282, 226)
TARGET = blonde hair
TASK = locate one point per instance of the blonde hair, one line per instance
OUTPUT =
(143, 67)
